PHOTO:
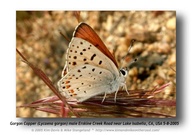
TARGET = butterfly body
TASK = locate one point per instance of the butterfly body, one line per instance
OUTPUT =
(89, 71)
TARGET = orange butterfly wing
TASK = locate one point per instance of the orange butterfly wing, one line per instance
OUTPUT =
(85, 32)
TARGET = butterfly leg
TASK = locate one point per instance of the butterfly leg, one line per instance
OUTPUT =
(115, 96)
(125, 86)
(104, 97)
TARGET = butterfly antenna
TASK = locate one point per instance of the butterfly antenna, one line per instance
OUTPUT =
(131, 45)
(133, 61)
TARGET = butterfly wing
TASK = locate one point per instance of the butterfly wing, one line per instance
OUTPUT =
(86, 81)
(90, 68)
(82, 52)
(85, 32)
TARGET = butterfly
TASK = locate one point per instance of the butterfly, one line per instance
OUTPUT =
(90, 68)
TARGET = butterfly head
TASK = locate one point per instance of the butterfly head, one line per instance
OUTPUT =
(123, 72)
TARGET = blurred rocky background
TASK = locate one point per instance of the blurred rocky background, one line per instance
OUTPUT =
(38, 38)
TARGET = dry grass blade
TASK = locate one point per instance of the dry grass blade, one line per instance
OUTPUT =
(126, 106)
(65, 37)
(77, 16)
(48, 82)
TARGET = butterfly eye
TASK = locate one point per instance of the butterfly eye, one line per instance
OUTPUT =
(123, 72)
